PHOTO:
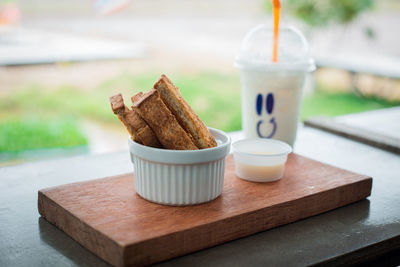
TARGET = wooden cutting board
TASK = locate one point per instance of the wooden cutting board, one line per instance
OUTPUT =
(111, 220)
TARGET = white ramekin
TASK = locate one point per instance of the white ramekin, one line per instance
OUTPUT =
(180, 177)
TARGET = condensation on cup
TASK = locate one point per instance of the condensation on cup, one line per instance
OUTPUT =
(272, 91)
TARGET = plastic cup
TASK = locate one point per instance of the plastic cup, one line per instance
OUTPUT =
(260, 160)
(272, 91)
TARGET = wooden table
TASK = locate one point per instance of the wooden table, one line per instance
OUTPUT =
(368, 230)
(379, 128)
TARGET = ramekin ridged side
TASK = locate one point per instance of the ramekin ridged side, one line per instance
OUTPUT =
(186, 184)
(180, 177)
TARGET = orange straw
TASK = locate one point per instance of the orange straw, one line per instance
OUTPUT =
(276, 11)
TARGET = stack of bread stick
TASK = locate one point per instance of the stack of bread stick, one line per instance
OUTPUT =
(162, 118)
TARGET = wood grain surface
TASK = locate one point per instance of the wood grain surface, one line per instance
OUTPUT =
(364, 135)
(110, 219)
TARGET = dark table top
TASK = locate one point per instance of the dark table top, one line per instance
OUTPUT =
(359, 231)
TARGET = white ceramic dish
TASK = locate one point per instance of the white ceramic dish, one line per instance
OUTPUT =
(180, 177)
(260, 160)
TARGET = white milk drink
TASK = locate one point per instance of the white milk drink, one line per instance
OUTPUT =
(272, 91)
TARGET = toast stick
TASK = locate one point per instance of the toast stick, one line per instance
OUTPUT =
(153, 110)
(185, 115)
(135, 125)
(144, 132)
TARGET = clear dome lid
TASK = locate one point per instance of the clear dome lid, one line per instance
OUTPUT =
(257, 48)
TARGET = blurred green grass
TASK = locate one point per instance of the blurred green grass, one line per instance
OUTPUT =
(28, 133)
(214, 96)
(335, 104)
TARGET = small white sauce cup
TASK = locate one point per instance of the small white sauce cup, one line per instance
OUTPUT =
(260, 160)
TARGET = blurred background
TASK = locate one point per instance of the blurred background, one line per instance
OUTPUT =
(61, 60)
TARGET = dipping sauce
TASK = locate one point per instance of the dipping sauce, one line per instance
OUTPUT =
(259, 173)
(260, 160)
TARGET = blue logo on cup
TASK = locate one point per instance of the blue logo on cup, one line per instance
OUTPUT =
(269, 104)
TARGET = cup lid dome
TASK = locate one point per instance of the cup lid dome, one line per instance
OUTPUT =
(257, 48)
